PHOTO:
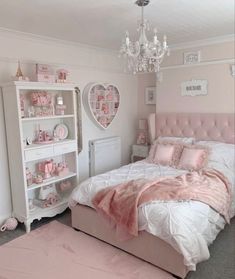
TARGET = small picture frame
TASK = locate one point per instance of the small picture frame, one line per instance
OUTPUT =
(192, 57)
(150, 96)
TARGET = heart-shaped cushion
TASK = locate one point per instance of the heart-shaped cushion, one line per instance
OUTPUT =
(103, 102)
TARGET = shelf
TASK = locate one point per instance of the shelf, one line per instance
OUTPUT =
(29, 156)
(26, 119)
(37, 146)
(31, 85)
(105, 101)
(55, 179)
(40, 212)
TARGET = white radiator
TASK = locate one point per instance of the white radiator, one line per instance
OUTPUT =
(105, 155)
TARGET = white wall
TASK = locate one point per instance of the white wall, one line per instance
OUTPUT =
(5, 196)
(85, 65)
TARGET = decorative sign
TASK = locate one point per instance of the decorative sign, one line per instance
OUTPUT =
(192, 57)
(103, 101)
(194, 88)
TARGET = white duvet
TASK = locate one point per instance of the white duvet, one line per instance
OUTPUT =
(188, 226)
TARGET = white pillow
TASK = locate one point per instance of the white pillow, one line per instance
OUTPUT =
(183, 139)
(221, 153)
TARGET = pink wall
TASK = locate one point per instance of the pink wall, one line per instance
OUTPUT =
(208, 53)
(220, 96)
(145, 80)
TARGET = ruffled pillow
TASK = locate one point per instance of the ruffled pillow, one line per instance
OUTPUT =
(182, 141)
(193, 158)
(165, 152)
(152, 151)
(168, 153)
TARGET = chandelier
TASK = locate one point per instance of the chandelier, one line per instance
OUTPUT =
(144, 55)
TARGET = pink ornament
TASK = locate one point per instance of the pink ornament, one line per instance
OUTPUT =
(22, 101)
(38, 179)
(29, 177)
(65, 186)
(142, 137)
(105, 108)
(62, 75)
(41, 98)
(62, 169)
(46, 168)
(51, 199)
(10, 224)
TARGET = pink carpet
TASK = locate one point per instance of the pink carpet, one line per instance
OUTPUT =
(56, 251)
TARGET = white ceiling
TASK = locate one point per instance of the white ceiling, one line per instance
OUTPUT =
(103, 23)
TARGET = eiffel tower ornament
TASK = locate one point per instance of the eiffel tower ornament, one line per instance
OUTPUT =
(19, 75)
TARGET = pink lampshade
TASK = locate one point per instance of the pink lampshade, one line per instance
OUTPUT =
(143, 124)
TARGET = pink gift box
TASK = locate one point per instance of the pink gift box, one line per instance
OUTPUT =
(63, 172)
(46, 78)
(44, 69)
(65, 186)
(44, 73)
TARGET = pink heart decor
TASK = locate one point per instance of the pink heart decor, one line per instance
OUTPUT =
(103, 102)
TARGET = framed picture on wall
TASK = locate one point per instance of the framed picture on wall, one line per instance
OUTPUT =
(192, 57)
(150, 95)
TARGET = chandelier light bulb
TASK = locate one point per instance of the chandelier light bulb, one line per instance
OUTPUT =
(155, 41)
(127, 38)
(164, 41)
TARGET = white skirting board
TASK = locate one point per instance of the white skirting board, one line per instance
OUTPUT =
(105, 154)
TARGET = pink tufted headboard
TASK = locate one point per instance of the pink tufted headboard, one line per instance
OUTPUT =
(202, 126)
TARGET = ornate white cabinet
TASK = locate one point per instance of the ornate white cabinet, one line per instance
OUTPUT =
(43, 139)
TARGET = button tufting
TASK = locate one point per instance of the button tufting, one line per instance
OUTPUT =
(202, 126)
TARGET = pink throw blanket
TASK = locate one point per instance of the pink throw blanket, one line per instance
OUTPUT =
(120, 203)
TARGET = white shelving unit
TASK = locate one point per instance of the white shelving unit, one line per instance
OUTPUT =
(22, 156)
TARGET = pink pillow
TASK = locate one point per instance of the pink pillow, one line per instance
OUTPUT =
(168, 153)
(164, 154)
(193, 158)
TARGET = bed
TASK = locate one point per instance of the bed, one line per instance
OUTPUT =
(153, 244)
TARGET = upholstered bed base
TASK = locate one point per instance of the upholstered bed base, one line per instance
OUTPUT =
(146, 246)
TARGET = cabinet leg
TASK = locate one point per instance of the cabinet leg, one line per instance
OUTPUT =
(27, 226)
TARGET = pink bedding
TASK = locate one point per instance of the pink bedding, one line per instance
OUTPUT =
(120, 203)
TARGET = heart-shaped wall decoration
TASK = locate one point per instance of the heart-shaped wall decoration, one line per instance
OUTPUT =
(102, 101)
